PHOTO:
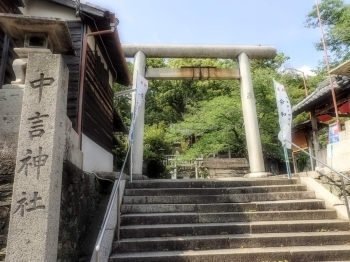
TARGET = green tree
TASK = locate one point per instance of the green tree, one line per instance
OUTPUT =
(216, 125)
(335, 16)
(155, 149)
(167, 101)
(122, 104)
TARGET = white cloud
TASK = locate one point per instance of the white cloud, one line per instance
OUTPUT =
(306, 70)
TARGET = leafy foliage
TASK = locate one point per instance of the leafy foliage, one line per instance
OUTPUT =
(335, 16)
(122, 103)
(216, 125)
(167, 101)
(154, 142)
(155, 149)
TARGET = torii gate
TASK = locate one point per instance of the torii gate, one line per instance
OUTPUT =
(242, 53)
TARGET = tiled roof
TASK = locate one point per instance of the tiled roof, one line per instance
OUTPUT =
(322, 93)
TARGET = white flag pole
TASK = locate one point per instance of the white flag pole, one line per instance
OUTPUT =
(287, 160)
(131, 141)
(132, 152)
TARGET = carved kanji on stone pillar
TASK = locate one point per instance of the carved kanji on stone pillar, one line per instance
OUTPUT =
(37, 187)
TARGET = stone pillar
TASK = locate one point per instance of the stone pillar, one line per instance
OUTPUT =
(256, 161)
(137, 151)
(35, 208)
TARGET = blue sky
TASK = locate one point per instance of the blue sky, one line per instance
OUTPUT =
(278, 23)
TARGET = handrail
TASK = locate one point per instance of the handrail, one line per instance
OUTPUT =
(335, 171)
(114, 196)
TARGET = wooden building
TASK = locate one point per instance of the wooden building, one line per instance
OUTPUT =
(320, 102)
(105, 65)
(321, 107)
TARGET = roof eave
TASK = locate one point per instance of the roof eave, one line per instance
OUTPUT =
(112, 42)
(91, 14)
(85, 7)
(321, 93)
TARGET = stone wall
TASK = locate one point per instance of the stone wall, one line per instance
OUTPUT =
(331, 182)
(7, 170)
(81, 195)
(226, 167)
(10, 113)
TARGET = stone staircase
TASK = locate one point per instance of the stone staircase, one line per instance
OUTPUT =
(241, 219)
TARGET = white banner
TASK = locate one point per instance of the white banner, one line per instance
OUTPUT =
(141, 90)
(284, 114)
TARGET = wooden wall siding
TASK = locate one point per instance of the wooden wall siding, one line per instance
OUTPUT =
(4, 7)
(98, 103)
(9, 6)
(76, 29)
(101, 72)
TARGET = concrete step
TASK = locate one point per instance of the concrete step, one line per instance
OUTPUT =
(231, 241)
(232, 198)
(207, 183)
(181, 218)
(171, 230)
(281, 205)
(213, 191)
(289, 254)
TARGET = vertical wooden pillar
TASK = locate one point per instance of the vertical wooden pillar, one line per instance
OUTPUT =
(314, 131)
(310, 146)
(295, 163)
(3, 61)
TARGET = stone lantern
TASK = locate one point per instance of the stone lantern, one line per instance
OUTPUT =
(35, 35)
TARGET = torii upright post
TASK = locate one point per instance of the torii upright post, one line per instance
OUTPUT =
(251, 126)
